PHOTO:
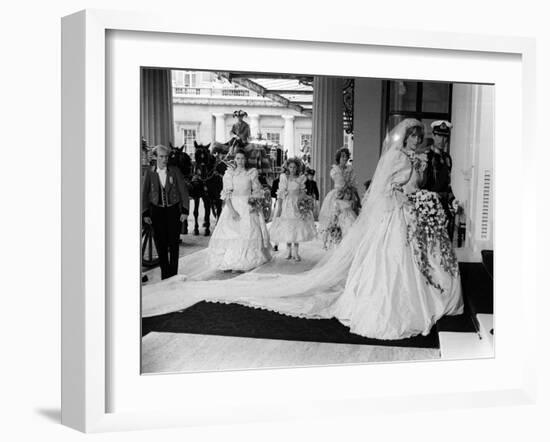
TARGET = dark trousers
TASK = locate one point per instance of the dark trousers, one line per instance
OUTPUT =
(445, 203)
(166, 232)
(217, 205)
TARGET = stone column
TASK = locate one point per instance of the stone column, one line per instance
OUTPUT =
(220, 136)
(328, 128)
(288, 142)
(254, 126)
(367, 129)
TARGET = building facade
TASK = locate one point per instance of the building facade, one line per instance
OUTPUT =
(203, 107)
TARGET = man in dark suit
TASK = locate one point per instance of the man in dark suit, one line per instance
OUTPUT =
(438, 172)
(165, 205)
(311, 185)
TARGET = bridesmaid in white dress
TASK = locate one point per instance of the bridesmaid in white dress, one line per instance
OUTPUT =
(342, 175)
(345, 215)
(289, 226)
(240, 241)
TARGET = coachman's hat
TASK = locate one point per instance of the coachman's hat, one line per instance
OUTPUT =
(441, 127)
(240, 113)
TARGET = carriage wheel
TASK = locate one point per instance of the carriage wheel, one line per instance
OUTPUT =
(149, 255)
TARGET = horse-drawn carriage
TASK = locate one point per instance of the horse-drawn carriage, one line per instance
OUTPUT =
(262, 155)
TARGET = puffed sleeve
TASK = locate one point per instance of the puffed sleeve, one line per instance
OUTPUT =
(283, 184)
(402, 170)
(227, 190)
(257, 190)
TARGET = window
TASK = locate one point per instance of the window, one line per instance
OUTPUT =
(274, 137)
(177, 78)
(190, 79)
(184, 78)
(425, 101)
(189, 137)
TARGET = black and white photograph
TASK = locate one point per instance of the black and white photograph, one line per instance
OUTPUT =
(294, 220)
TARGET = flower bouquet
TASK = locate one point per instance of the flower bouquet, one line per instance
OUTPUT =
(429, 231)
(256, 204)
(305, 206)
(333, 233)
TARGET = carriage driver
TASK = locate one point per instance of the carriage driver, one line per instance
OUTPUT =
(165, 205)
(240, 131)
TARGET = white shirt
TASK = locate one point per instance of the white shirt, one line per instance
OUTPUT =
(162, 176)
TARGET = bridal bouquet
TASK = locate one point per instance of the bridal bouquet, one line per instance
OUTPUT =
(429, 212)
(305, 207)
(428, 231)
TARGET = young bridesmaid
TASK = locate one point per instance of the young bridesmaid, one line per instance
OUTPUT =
(240, 241)
(343, 176)
(289, 226)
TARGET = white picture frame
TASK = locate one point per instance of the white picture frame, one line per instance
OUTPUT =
(87, 356)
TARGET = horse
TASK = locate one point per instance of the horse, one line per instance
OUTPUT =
(208, 184)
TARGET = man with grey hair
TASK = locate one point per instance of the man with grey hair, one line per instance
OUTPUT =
(165, 205)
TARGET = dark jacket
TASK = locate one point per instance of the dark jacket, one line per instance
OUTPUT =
(438, 172)
(242, 130)
(274, 187)
(311, 189)
(176, 190)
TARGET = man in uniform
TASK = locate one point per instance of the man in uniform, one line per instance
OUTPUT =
(240, 131)
(438, 172)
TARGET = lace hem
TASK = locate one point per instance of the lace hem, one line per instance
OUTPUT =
(239, 258)
(258, 306)
(292, 230)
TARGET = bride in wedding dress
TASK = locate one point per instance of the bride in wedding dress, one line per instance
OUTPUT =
(392, 276)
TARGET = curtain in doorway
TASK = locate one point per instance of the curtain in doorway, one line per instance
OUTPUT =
(157, 121)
